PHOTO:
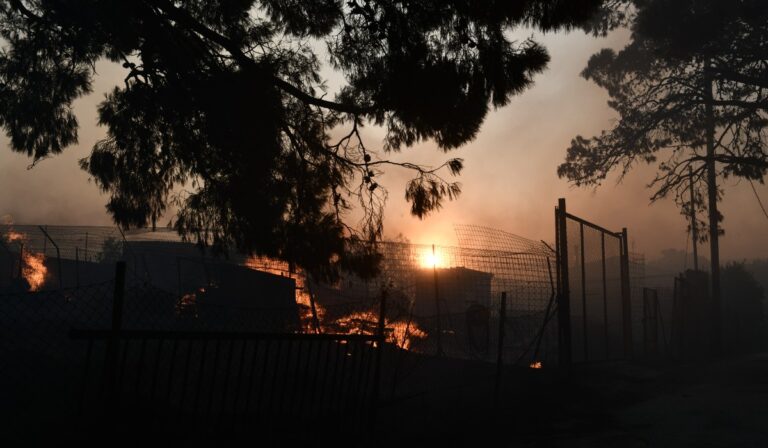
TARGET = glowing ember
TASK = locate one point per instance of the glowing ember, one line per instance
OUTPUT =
(398, 332)
(187, 304)
(33, 267)
(535, 365)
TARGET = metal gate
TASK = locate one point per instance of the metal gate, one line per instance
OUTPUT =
(594, 312)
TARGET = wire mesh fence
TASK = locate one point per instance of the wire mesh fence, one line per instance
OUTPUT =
(445, 300)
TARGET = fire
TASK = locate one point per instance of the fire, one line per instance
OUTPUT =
(405, 333)
(303, 298)
(33, 267)
(398, 332)
(34, 270)
(12, 236)
(536, 365)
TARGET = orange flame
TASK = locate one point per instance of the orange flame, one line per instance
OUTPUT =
(12, 236)
(406, 334)
(399, 332)
(33, 268)
(536, 365)
(303, 299)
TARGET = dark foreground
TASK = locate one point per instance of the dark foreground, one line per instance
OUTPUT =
(443, 402)
(722, 403)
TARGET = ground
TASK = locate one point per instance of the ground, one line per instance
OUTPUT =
(706, 403)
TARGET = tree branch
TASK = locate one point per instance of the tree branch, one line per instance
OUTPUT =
(182, 16)
(731, 75)
(23, 9)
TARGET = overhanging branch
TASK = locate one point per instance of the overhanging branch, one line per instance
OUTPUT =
(182, 16)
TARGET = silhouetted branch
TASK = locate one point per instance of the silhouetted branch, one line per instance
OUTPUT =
(182, 16)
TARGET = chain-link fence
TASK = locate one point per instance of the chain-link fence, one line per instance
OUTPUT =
(446, 300)
(39, 364)
(442, 301)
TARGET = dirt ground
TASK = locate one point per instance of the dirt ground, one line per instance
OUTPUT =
(708, 403)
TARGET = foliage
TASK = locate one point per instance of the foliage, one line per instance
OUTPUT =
(658, 84)
(111, 251)
(223, 115)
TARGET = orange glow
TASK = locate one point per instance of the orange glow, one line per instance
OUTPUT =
(536, 365)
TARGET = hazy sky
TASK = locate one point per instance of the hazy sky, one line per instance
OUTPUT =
(509, 181)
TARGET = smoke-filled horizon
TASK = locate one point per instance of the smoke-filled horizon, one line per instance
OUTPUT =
(509, 181)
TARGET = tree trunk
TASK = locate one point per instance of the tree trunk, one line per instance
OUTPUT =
(714, 243)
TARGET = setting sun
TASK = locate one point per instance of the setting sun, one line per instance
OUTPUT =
(432, 259)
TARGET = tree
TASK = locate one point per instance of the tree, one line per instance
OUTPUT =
(658, 85)
(690, 90)
(225, 99)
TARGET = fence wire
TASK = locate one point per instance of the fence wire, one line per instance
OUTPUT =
(40, 365)
(446, 300)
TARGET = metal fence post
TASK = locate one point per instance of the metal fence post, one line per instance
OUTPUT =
(77, 267)
(500, 349)
(21, 260)
(584, 322)
(381, 338)
(312, 306)
(650, 323)
(437, 306)
(114, 340)
(626, 298)
(58, 256)
(564, 294)
(606, 334)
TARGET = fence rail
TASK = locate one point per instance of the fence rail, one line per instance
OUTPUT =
(201, 383)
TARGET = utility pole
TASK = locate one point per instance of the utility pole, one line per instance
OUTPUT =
(694, 229)
(714, 244)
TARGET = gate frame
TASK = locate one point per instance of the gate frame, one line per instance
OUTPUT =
(565, 351)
